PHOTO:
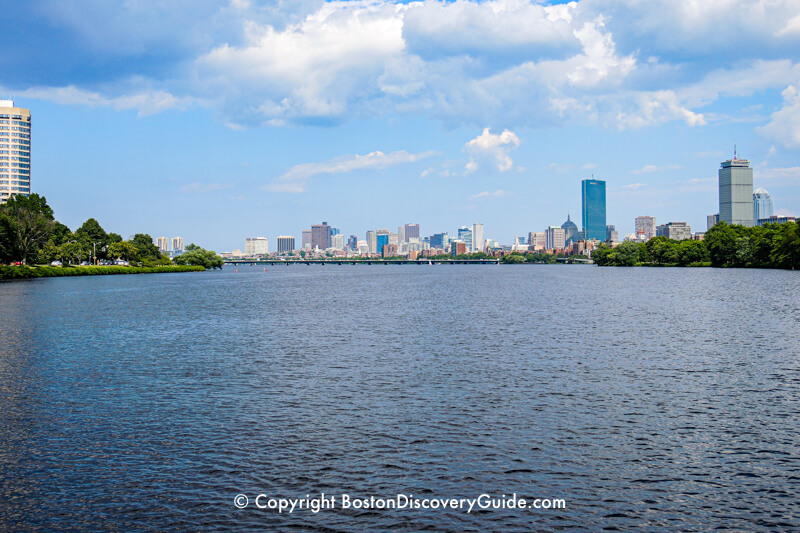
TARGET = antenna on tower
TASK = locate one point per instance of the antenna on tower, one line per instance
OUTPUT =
(734, 153)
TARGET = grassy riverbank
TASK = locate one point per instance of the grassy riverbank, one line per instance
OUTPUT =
(26, 272)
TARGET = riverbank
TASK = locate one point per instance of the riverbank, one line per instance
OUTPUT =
(26, 272)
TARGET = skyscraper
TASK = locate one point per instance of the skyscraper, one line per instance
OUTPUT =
(177, 245)
(645, 228)
(320, 236)
(305, 241)
(762, 205)
(593, 196)
(477, 237)
(736, 191)
(285, 243)
(381, 239)
(163, 244)
(465, 235)
(711, 220)
(411, 231)
(15, 150)
(554, 237)
(372, 241)
(256, 246)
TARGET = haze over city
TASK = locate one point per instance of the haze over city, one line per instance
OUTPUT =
(262, 119)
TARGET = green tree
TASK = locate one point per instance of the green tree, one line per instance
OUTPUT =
(94, 236)
(26, 224)
(123, 250)
(786, 246)
(195, 255)
(662, 251)
(691, 251)
(73, 252)
(626, 254)
(721, 243)
(513, 258)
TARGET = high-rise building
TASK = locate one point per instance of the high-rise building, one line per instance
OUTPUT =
(645, 228)
(537, 240)
(389, 250)
(611, 233)
(571, 232)
(458, 247)
(320, 236)
(372, 241)
(762, 205)
(593, 200)
(352, 243)
(440, 240)
(401, 233)
(337, 241)
(285, 243)
(465, 235)
(15, 150)
(177, 245)
(477, 237)
(736, 191)
(554, 238)
(162, 243)
(256, 246)
(305, 240)
(711, 221)
(678, 231)
(381, 239)
(411, 231)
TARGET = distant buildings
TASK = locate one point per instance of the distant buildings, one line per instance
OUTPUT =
(458, 247)
(337, 241)
(593, 201)
(177, 245)
(381, 240)
(256, 246)
(554, 238)
(320, 236)
(736, 191)
(410, 231)
(678, 231)
(537, 240)
(571, 232)
(389, 250)
(762, 205)
(305, 240)
(15, 156)
(776, 220)
(372, 242)
(611, 233)
(440, 241)
(285, 244)
(711, 221)
(465, 235)
(645, 228)
(477, 237)
(162, 243)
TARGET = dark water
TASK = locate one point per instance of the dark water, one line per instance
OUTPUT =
(652, 399)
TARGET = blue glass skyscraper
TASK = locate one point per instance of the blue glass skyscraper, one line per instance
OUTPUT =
(383, 240)
(593, 195)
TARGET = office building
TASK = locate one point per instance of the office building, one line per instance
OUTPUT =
(337, 241)
(611, 233)
(678, 231)
(554, 238)
(382, 239)
(352, 243)
(285, 244)
(440, 241)
(256, 246)
(177, 245)
(571, 232)
(593, 200)
(736, 191)
(645, 228)
(401, 233)
(465, 236)
(372, 241)
(774, 219)
(411, 231)
(711, 221)
(15, 150)
(320, 236)
(389, 250)
(162, 243)
(394, 239)
(305, 239)
(537, 240)
(762, 205)
(458, 247)
(477, 237)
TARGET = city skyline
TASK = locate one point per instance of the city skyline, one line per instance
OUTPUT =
(406, 118)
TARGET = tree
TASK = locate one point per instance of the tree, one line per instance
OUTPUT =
(123, 250)
(94, 236)
(73, 251)
(786, 246)
(513, 258)
(721, 243)
(691, 251)
(195, 255)
(26, 223)
(144, 243)
(626, 254)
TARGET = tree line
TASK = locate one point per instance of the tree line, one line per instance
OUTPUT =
(724, 245)
(30, 235)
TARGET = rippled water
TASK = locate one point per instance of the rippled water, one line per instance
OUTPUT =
(655, 399)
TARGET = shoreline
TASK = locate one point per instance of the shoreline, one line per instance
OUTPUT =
(27, 272)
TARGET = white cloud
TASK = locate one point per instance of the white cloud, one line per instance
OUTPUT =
(204, 187)
(654, 168)
(784, 124)
(148, 102)
(782, 174)
(295, 179)
(499, 193)
(493, 147)
(633, 186)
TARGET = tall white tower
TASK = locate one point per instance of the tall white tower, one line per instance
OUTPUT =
(15, 150)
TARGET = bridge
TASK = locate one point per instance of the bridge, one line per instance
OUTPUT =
(323, 262)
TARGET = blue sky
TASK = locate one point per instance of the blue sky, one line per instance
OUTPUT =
(223, 120)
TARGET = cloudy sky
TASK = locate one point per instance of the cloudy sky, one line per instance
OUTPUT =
(220, 120)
